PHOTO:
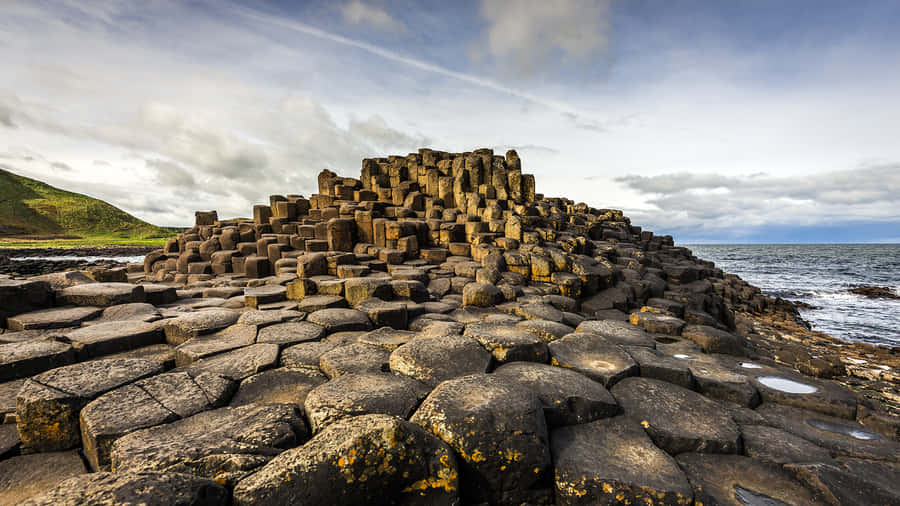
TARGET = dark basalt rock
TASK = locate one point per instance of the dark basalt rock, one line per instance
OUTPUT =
(48, 404)
(840, 436)
(351, 395)
(875, 292)
(20, 360)
(354, 358)
(497, 428)
(151, 489)
(101, 294)
(568, 397)
(152, 401)
(613, 461)
(677, 419)
(224, 444)
(779, 447)
(435, 359)
(26, 475)
(508, 343)
(55, 318)
(594, 357)
(850, 482)
(741, 481)
(285, 385)
(370, 459)
(190, 325)
(617, 332)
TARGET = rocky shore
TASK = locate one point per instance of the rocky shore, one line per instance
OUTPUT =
(433, 332)
(38, 262)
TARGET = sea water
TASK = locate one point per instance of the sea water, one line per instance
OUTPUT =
(821, 275)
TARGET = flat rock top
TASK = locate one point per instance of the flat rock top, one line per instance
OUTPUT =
(53, 318)
(133, 488)
(89, 379)
(677, 419)
(92, 289)
(107, 330)
(26, 475)
(13, 352)
(608, 457)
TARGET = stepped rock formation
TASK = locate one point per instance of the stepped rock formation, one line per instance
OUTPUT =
(433, 332)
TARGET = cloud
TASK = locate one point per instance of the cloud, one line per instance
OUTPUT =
(61, 166)
(6, 116)
(171, 174)
(714, 204)
(527, 35)
(379, 133)
(356, 12)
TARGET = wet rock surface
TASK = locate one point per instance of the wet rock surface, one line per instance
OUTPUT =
(448, 336)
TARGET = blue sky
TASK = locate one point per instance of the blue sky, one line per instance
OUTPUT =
(740, 121)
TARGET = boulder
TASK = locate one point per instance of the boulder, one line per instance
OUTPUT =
(739, 481)
(497, 428)
(433, 360)
(677, 419)
(48, 405)
(101, 294)
(152, 401)
(612, 461)
(151, 489)
(370, 459)
(387, 338)
(54, 318)
(9, 439)
(224, 444)
(594, 357)
(24, 476)
(508, 343)
(568, 397)
(360, 394)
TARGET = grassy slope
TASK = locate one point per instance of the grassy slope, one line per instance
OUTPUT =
(30, 207)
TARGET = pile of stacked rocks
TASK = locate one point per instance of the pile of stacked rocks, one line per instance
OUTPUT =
(434, 332)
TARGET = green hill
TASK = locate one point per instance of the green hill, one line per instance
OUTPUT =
(32, 208)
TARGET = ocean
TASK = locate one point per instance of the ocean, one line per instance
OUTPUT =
(820, 275)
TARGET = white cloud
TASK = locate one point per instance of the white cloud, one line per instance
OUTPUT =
(528, 34)
(712, 204)
(356, 12)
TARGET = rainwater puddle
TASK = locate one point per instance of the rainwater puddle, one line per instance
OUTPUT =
(787, 385)
(837, 428)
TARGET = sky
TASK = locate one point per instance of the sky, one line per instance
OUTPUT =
(739, 121)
